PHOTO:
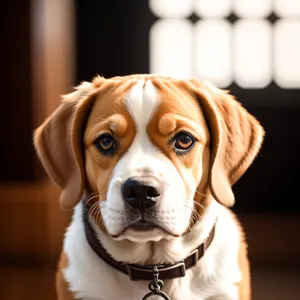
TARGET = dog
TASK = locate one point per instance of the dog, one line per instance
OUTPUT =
(147, 163)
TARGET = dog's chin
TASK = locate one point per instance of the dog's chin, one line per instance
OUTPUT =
(143, 232)
(154, 235)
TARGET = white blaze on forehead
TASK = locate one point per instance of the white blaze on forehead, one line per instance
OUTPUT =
(143, 158)
(141, 102)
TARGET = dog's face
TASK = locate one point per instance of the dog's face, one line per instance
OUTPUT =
(147, 150)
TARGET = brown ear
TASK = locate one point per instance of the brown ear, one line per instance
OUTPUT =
(236, 137)
(59, 145)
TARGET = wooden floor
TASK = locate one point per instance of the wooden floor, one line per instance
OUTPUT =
(38, 284)
(276, 285)
(27, 284)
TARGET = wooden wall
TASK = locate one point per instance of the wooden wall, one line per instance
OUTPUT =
(38, 56)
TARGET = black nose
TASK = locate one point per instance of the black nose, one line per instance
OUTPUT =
(141, 194)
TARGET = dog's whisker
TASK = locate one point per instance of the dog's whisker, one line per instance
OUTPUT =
(197, 203)
(194, 211)
(190, 227)
(100, 221)
(200, 193)
(94, 214)
(201, 206)
(102, 204)
(92, 210)
(92, 194)
(208, 213)
(90, 218)
(98, 216)
(92, 197)
(93, 207)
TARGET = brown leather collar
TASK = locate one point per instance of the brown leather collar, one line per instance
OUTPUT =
(138, 272)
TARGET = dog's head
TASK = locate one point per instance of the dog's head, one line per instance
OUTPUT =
(147, 150)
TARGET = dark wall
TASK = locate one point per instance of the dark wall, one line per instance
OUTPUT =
(271, 184)
(16, 152)
(112, 38)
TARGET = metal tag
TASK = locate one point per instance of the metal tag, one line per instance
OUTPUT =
(155, 286)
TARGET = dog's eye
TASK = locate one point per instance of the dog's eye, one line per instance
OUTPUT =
(184, 141)
(105, 143)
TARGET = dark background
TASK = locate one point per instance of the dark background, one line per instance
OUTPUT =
(111, 38)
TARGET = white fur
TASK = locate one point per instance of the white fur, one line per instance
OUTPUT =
(213, 277)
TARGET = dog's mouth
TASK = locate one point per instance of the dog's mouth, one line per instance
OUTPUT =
(144, 226)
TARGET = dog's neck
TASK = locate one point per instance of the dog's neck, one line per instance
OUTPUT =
(169, 250)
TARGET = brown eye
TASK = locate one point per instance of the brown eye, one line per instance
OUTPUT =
(105, 143)
(184, 141)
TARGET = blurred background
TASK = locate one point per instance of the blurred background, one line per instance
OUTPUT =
(251, 47)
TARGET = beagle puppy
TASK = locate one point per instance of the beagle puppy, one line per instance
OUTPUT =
(148, 163)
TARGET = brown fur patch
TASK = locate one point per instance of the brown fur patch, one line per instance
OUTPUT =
(108, 115)
(179, 111)
(62, 287)
(244, 286)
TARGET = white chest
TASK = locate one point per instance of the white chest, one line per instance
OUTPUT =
(213, 277)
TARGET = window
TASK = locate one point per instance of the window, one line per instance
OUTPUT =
(250, 43)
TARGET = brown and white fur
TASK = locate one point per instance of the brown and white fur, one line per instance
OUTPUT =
(144, 113)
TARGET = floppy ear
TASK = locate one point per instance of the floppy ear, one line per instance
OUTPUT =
(236, 137)
(58, 142)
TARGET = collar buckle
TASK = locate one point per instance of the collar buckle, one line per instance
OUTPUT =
(135, 271)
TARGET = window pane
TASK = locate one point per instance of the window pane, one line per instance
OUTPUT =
(213, 8)
(287, 8)
(252, 53)
(287, 53)
(213, 51)
(252, 8)
(170, 48)
(171, 8)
